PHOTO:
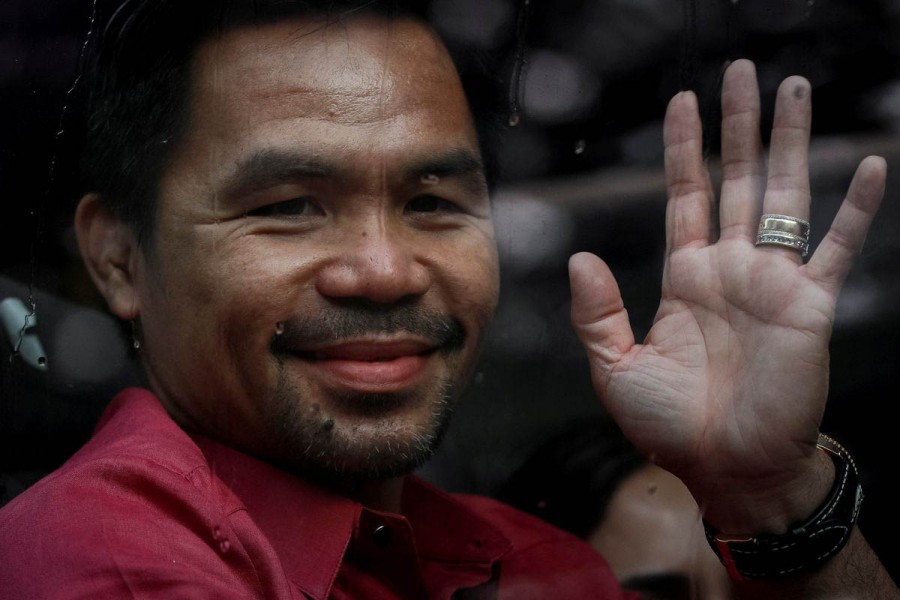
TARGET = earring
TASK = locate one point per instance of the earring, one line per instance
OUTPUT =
(135, 340)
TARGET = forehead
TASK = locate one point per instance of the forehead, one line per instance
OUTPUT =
(367, 70)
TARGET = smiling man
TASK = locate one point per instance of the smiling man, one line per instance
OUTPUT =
(289, 204)
(302, 294)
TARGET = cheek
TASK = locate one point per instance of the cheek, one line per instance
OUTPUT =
(485, 290)
(258, 287)
(207, 289)
(472, 276)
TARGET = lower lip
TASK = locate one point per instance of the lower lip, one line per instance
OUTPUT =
(375, 375)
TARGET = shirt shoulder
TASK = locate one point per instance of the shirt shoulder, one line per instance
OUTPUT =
(137, 454)
(137, 504)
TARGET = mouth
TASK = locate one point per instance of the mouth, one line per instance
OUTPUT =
(372, 365)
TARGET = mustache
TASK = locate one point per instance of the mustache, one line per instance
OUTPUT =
(354, 319)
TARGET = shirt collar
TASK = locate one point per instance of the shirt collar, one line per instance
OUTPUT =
(308, 527)
(311, 539)
(447, 530)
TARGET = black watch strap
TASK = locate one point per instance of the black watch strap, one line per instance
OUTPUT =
(805, 546)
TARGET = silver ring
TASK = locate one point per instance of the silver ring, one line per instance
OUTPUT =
(784, 230)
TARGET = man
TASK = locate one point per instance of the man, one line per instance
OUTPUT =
(295, 219)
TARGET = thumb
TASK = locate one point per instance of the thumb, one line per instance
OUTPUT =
(598, 315)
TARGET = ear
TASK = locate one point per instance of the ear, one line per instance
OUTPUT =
(110, 251)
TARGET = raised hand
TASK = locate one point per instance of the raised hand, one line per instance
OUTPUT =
(729, 387)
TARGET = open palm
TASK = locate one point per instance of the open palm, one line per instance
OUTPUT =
(729, 387)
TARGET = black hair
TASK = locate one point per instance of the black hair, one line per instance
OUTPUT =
(570, 478)
(136, 95)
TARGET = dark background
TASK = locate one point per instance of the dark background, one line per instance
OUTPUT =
(581, 169)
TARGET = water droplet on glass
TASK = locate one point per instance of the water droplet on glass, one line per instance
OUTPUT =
(137, 344)
(580, 145)
(42, 361)
(225, 546)
(517, 79)
(431, 179)
(279, 328)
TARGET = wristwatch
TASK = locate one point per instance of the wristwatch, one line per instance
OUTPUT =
(805, 546)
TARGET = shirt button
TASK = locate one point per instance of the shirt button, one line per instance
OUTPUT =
(382, 535)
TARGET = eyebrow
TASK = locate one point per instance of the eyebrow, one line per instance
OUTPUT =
(272, 167)
(456, 164)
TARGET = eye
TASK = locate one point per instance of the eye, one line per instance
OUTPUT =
(430, 204)
(295, 207)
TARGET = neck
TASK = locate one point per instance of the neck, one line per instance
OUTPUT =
(383, 494)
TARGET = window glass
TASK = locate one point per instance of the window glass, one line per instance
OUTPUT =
(583, 87)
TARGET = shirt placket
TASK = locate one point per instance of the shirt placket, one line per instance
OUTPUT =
(383, 557)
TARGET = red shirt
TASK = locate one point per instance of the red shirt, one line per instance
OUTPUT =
(146, 511)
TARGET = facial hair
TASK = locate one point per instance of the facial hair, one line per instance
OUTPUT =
(305, 438)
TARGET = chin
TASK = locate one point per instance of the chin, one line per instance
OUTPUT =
(367, 437)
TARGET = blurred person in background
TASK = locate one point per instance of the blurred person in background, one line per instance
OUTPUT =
(589, 480)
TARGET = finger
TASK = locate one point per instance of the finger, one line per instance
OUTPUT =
(787, 189)
(687, 179)
(598, 314)
(743, 171)
(834, 256)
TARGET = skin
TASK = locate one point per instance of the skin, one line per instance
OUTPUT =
(728, 389)
(313, 202)
(370, 212)
(651, 533)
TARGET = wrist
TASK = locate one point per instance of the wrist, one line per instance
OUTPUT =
(806, 544)
(772, 508)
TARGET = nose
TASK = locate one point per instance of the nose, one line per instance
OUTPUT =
(380, 264)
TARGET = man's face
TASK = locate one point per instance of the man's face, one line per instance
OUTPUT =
(323, 262)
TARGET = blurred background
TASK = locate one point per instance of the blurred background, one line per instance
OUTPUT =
(580, 168)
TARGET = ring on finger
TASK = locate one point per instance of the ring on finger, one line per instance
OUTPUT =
(784, 230)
